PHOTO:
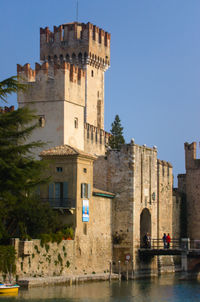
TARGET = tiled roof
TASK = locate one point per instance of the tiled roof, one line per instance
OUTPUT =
(64, 150)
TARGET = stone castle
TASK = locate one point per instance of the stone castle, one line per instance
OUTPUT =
(67, 89)
(127, 192)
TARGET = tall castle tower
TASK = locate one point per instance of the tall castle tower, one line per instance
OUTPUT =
(67, 89)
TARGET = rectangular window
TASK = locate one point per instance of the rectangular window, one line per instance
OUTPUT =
(85, 190)
(58, 194)
(59, 169)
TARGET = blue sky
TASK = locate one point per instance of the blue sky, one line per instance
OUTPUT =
(153, 82)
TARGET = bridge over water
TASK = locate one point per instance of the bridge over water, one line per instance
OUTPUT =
(189, 250)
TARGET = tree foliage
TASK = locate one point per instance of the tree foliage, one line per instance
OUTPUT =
(9, 86)
(117, 139)
(21, 211)
(7, 259)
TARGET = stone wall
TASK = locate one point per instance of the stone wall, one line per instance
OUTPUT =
(176, 215)
(143, 202)
(165, 205)
(37, 260)
(131, 173)
(192, 191)
(182, 183)
(89, 252)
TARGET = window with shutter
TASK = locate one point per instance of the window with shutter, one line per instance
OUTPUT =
(88, 191)
(57, 190)
(65, 190)
(51, 190)
(85, 190)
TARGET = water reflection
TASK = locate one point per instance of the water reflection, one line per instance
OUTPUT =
(164, 289)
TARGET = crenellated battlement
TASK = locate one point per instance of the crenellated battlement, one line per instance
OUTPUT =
(76, 43)
(95, 139)
(7, 109)
(28, 74)
(96, 134)
(76, 31)
(52, 82)
(164, 163)
(191, 160)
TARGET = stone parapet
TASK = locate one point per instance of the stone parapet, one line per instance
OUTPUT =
(95, 139)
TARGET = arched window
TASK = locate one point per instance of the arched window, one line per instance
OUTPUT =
(67, 58)
(74, 58)
(80, 58)
(55, 58)
(61, 58)
(85, 57)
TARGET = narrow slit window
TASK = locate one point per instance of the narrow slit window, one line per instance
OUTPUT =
(75, 122)
(41, 121)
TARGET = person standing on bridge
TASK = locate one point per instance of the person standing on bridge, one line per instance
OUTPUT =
(164, 240)
(168, 239)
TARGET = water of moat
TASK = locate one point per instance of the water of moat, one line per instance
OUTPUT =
(162, 289)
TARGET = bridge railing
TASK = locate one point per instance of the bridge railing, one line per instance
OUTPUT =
(194, 244)
(159, 244)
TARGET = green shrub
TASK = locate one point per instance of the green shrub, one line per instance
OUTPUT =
(46, 247)
(60, 259)
(68, 264)
(36, 248)
(45, 238)
(68, 232)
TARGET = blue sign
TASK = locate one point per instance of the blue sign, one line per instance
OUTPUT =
(85, 216)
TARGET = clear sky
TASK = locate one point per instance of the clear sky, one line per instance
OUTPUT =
(153, 82)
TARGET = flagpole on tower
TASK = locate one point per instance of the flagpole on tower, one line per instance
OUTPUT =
(77, 11)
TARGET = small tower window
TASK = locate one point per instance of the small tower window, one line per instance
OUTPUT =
(41, 121)
(92, 73)
(55, 59)
(76, 122)
(61, 58)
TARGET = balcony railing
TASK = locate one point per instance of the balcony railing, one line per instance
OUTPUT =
(64, 203)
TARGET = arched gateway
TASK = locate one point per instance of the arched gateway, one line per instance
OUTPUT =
(145, 225)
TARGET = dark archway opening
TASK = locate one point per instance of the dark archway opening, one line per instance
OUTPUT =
(145, 226)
